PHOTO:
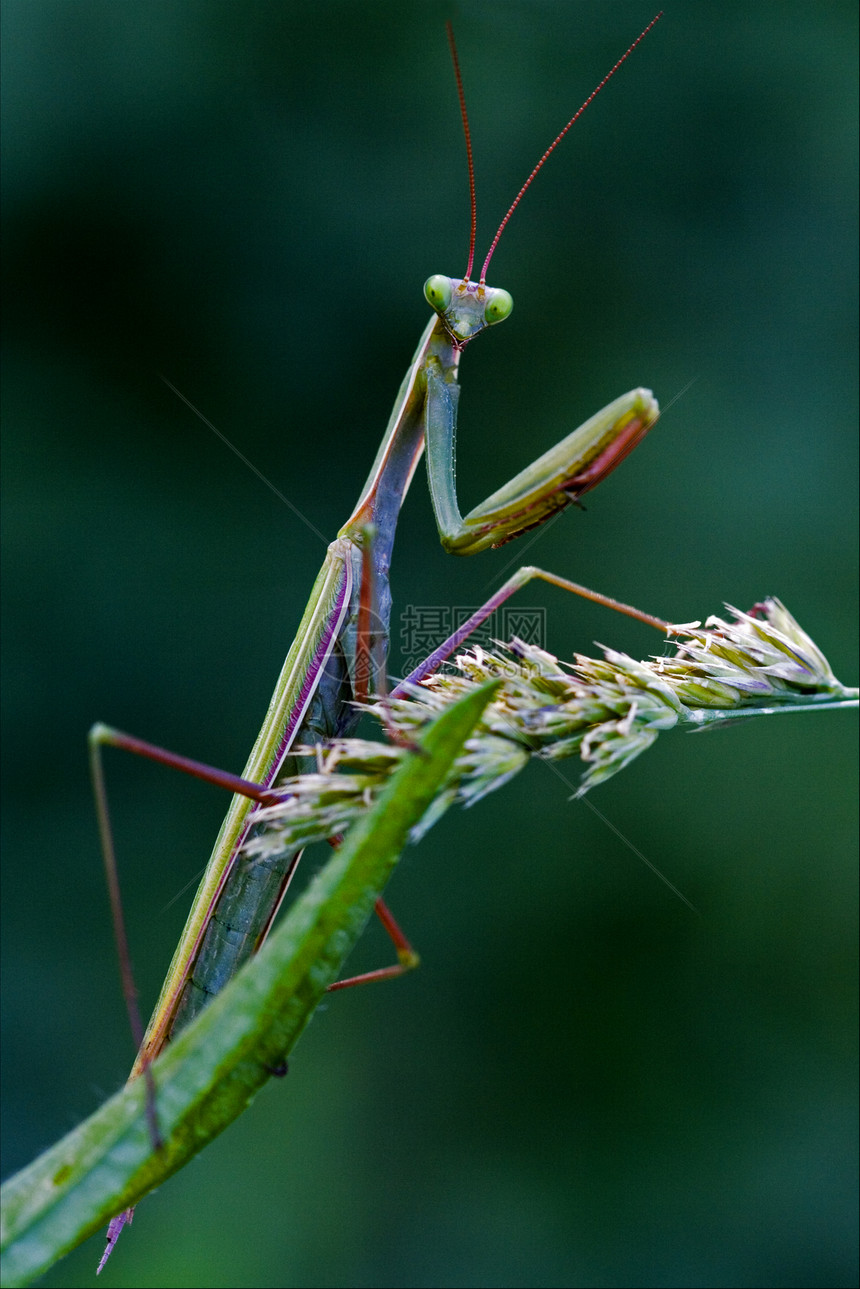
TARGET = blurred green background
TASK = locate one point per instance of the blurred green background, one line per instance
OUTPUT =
(586, 1084)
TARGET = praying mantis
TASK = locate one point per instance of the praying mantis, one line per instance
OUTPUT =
(162, 540)
(339, 655)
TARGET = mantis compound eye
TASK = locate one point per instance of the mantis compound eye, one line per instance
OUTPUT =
(498, 306)
(437, 292)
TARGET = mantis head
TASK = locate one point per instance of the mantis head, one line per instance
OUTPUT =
(466, 307)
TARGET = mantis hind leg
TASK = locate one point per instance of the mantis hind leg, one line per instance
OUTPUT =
(101, 736)
(407, 958)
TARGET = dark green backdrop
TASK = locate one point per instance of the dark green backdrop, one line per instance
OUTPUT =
(586, 1084)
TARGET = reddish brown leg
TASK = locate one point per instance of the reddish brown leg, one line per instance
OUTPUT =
(100, 736)
(408, 958)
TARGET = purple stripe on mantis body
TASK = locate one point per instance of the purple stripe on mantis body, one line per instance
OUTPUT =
(313, 676)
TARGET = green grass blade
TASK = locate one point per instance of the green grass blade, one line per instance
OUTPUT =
(211, 1073)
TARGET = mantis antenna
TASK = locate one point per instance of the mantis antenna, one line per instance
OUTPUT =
(556, 141)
